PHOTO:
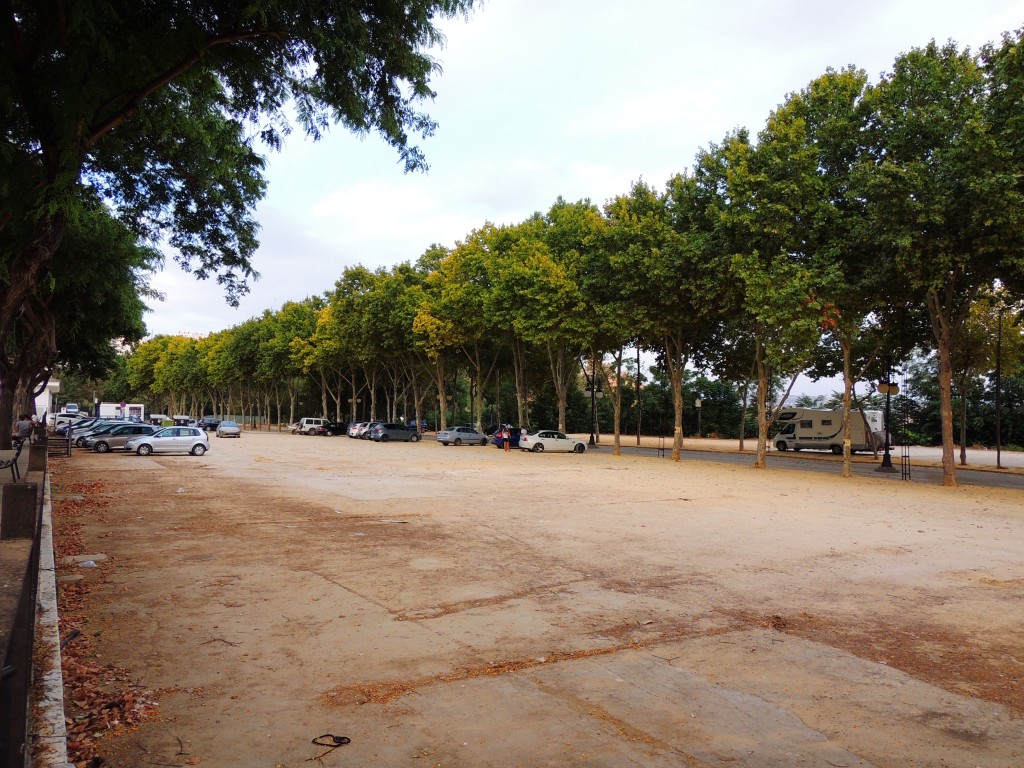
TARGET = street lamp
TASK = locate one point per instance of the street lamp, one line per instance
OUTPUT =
(595, 392)
(697, 404)
(888, 389)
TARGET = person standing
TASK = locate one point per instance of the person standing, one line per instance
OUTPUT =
(506, 438)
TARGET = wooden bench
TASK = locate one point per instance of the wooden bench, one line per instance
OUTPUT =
(58, 446)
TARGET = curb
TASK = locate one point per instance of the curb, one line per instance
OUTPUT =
(49, 733)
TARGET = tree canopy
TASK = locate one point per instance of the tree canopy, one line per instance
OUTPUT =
(157, 107)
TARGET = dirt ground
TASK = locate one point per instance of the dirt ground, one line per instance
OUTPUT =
(471, 607)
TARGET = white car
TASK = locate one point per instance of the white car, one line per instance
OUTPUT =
(550, 440)
(171, 440)
(460, 435)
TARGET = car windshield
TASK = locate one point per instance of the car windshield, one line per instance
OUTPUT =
(228, 424)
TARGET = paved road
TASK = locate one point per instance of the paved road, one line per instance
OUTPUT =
(822, 462)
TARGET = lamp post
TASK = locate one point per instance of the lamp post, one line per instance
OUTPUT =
(353, 403)
(888, 389)
(594, 393)
(697, 404)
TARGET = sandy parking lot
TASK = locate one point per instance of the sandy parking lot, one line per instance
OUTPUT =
(468, 607)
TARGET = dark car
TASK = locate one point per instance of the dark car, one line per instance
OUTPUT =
(101, 427)
(328, 428)
(514, 434)
(209, 423)
(78, 426)
(117, 437)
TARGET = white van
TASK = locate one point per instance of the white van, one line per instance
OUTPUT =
(823, 430)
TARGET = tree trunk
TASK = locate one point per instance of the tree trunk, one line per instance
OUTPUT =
(563, 374)
(762, 406)
(617, 404)
(442, 402)
(940, 326)
(844, 342)
(519, 367)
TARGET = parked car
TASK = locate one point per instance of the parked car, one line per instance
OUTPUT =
(101, 427)
(421, 427)
(209, 423)
(116, 438)
(354, 427)
(329, 428)
(78, 425)
(228, 429)
(382, 433)
(364, 431)
(460, 435)
(314, 426)
(514, 433)
(171, 440)
(550, 440)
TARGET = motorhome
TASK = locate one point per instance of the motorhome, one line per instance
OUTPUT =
(811, 428)
(131, 411)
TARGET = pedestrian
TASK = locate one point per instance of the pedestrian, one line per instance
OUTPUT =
(506, 438)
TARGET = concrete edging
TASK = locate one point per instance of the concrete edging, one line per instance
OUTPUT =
(49, 734)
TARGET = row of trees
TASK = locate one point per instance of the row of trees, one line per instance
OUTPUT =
(126, 124)
(865, 222)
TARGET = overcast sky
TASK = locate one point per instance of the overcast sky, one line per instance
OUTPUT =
(537, 99)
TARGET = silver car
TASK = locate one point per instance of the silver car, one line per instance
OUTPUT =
(229, 429)
(171, 440)
(382, 433)
(460, 435)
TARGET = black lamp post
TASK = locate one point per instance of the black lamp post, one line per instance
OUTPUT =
(887, 388)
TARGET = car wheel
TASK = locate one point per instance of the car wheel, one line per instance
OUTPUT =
(80, 442)
(444, 444)
(781, 445)
(484, 441)
(144, 449)
(579, 448)
(384, 438)
(102, 447)
(198, 450)
(414, 438)
(837, 450)
(295, 431)
(538, 448)
(458, 441)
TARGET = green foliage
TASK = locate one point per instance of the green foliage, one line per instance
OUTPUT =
(863, 217)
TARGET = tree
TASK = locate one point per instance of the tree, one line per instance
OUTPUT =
(147, 105)
(943, 192)
(94, 306)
